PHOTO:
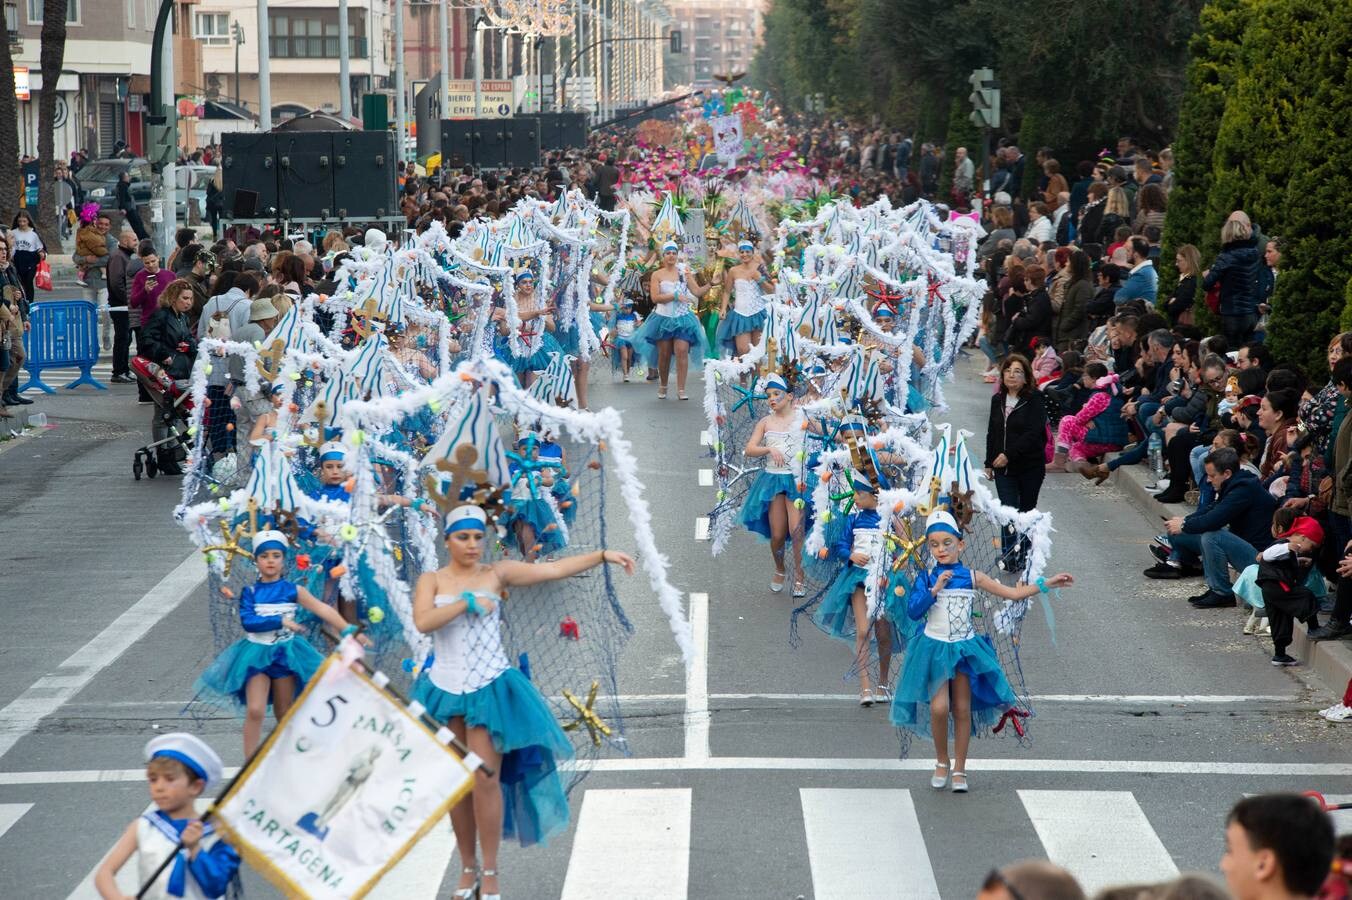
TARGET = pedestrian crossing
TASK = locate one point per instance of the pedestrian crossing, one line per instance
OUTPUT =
(637, 843)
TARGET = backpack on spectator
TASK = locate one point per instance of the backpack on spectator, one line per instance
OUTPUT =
(218, 328)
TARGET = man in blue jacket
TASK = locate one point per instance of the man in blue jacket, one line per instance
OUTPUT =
(1229, 532)
(1142, 280)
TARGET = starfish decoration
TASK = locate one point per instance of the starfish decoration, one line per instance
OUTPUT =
(749, 396)
(269, 361)
(528, 466)
(229, 545)
(586, 716)
(1013, 715)
(909, 544)
(366, 317)
(933, 292)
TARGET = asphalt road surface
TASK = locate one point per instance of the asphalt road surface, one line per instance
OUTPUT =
(757, 776)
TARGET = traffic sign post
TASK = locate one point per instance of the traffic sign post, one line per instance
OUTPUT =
(985, 99)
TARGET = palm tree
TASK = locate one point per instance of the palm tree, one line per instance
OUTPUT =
(52, 56)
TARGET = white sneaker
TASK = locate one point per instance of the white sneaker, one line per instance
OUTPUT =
(1158, 487)
(993, 370)
(1251, 623)
(1337, 713)
(1263, 629)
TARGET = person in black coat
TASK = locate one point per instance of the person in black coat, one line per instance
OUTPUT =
(1236, 271)
(127, 204)
(1016, 442)
(167, 338)
(1035, 319)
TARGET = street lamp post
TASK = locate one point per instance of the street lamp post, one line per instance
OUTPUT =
(344, 67)
(237, 32)
(264, 73)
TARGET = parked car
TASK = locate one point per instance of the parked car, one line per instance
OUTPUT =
(98, 179)
(190, 194)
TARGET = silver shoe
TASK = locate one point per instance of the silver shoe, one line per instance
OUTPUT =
(940, 783)
(471, 892)
(959, 787)
(486, 873)
(866, 699)
(882, 694)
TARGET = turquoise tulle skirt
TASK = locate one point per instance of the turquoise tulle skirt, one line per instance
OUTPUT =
(530, 740)
(736, 324)
(538, 515)
(756, 508)
(563, 497)
(536, 362)
(661, 328)
(930, 663)
(223, 681)
(835, 613)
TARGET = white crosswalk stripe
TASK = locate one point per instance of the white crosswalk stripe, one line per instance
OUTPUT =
(1102, 837)
(833, 817)
(631, 844)
(636, 843)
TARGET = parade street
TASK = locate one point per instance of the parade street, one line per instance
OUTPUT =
(754, 773)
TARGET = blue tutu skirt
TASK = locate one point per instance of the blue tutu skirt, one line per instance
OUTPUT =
(736, 324)
(539, 516)
(835, 613)
(661, 328)
(567, 503)
(525, 732)
(756, 508)
(223, 681)
(536, 362)
(930, 663)
(568, 340)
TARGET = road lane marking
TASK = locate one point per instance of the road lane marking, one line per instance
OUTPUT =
(419, 874)
(631, 843)
(809, 763)
(705, 439)
(706, 477)
(50, 692)
(697, 682)
(11, 813)
(1101, 837)
(832, 818)
(701, 528)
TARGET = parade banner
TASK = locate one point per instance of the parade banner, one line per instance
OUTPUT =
(347, 783)
(728, 138)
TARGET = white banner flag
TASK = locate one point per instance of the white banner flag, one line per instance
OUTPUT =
(728, 138)
(344, 787)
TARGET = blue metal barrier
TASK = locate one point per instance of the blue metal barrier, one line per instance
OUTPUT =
(63, 334)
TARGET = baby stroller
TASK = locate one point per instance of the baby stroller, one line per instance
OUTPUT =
(168, 445)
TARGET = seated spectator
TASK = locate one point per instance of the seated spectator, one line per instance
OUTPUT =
(1095, 429)
(1195, 420)
(1230, 531)
(1103, 305)
(1276, 413)
(1277, 846)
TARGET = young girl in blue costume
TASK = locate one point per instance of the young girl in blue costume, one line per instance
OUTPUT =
(270, 661)
(626, 323)
(490, 705)
(561, 490)
(949, 666)
(740, 329)
(537, 323)
(672, 329)
(843, 611)
(529, 514)
(774, 505)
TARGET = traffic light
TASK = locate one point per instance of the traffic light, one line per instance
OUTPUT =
(985, 99)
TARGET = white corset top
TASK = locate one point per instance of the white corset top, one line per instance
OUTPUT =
(950, 618)
(468, 649)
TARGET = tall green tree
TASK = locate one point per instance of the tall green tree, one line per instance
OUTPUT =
(9, 127)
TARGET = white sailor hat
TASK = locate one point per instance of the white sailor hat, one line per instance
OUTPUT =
(190, 750)
(859, 482)
(942, 520)
(671, 247)
(269, 540)
(745, 244)
(466, 517)
(774, 380)
(332, 450)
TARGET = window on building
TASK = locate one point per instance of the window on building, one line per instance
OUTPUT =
(131, 13)
(313, 34)
(212, 28)
(35, 12)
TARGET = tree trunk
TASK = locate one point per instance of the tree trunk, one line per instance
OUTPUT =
(53, 54)
(9, 132)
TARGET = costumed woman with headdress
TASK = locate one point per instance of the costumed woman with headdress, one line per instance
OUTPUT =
(740, 329)
(537, 323)
(490, 705)
(774, 505)
(672, 329)
(950, 667)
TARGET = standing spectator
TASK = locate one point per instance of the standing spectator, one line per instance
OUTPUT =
(1116, 213)
(127, 205)
(1002, 220)
(1090, 222)
(1072, 321)
(901, 162)
(1034, 318)
(28, 250)
(1339, 526)
(1236, 272)
(1016, 441)
(263, 317)
(1142, 281)
(930, 160)
(607, 180)
(1039, 224)
(1151, 204)
(964, 177)
(119, 302)
(1277, 846)
(182, 238)
(1179, 305)
(15, 324)
(1317, 414)
(91, 251)
(1056, 184)
(146, 287)
(167, 339)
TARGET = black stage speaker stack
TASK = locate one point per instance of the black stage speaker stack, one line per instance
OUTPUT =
(563, 131)
(322, 175)
(491, 143)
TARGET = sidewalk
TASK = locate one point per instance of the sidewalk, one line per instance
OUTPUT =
(1329, 661)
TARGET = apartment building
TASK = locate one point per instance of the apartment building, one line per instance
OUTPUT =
(718, 37)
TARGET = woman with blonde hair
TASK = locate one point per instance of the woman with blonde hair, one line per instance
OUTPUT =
(1236, 272)
(1188, 261)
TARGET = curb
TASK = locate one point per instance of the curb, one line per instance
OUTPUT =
(1329, 661)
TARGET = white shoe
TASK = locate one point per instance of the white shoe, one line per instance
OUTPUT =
(776, 588)
(881, 694)
(993, 370)
(940, 783)
(1158, 487)
(959, 786)
(866, 699)
(1263, 629)
(1337, 713)
(1251, 623)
